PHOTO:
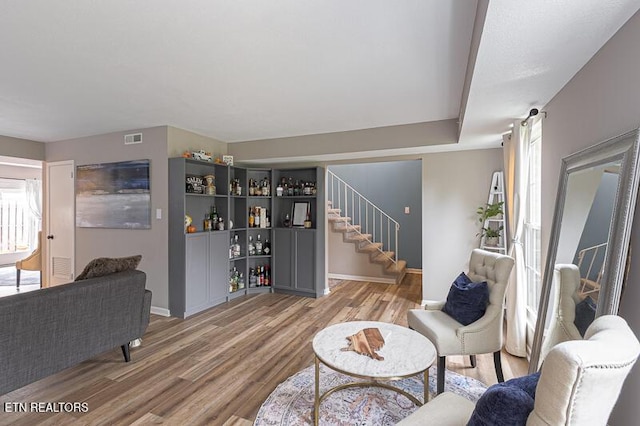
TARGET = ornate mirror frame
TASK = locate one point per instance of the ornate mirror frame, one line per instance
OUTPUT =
(623, 149)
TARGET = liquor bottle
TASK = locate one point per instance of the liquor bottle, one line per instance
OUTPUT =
(214, 215)
(258, 246)
(266, 248)
(256, 217)
(279, 190)
(261, 276)
(252, 278)
(236, 246)
(307, 221)
(241, 281)
(251, 248)
(265, 187)
(231, 249)
(207, 224)
(251, 218)
(267, 275)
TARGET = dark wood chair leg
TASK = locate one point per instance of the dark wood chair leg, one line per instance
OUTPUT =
(442, 362)
(498, 363)
(473, 361)
(125, 352)
(18, 278)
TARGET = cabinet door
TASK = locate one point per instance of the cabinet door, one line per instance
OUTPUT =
(197, 272)
(305, 255)
(218, 266)
(283, 258)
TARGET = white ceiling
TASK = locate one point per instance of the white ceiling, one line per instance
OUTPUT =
(254, 69)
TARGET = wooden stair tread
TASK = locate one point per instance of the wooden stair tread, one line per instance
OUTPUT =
(347, 228)
(339, 219)
(371, 247)
(359, 237)
(397, 268)
(383, 257)
(334, 211)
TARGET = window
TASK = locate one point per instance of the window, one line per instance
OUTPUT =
(19, 218)
(532, 221)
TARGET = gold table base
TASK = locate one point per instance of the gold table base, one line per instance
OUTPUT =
(371, 383)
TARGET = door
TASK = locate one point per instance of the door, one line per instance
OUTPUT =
(60, 229)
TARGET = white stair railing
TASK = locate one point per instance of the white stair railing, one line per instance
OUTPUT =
(371, 220)
(590, 254)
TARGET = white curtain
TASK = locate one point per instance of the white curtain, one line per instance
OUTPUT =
(34, 201)
(516, 160)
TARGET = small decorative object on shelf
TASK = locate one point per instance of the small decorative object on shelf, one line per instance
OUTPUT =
(201, 155)
(187, 222)
(194, 184)
(228, 160)
(210, 187)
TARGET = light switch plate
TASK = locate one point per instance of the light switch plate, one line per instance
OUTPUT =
(407, 210)
(158, 213)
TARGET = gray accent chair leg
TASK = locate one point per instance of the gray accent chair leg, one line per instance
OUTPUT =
(18, 278)
(472, 358)
(442, 362)
(125, 352)
(498, 364)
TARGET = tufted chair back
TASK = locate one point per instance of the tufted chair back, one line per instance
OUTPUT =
(494, 268)
(566, 280)
(582, 379)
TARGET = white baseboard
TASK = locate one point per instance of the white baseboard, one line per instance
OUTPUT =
(326, 292)
(414, 271)
(160, 311)
(361, 278)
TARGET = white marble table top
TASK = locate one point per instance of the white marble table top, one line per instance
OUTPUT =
(406, 352)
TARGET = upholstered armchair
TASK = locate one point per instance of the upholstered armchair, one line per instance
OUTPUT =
(31, 263)
(579, 384)
(566, 280)
(482, 336)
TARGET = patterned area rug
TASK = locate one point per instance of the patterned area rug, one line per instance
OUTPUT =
(291, 403)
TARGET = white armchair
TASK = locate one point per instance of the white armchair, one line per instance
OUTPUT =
(480, 337)
(579, 384)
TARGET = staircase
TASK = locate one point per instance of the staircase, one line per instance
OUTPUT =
(373, 232)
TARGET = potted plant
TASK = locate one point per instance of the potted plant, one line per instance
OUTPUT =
(490, 211)
(491, 235)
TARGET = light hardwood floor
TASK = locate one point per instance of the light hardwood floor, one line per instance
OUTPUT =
(217, 367)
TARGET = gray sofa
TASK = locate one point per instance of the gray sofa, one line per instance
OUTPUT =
(48, 330)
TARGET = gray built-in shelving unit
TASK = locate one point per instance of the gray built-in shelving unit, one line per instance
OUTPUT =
(200, 263)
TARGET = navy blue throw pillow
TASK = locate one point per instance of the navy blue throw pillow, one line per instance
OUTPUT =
(585, 314)
(508, 403)
(466, 301)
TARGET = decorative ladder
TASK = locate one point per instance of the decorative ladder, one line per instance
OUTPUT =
(364, 224)
(496, 195)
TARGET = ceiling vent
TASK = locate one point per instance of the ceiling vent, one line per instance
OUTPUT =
(133, 138)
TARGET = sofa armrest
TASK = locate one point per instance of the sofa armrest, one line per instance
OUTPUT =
(146, 312)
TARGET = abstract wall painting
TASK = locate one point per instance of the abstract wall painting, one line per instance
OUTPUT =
(114, 195)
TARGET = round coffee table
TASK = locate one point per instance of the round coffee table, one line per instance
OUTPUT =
(406, 353)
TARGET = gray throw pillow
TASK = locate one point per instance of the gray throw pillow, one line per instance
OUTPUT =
(107, 265)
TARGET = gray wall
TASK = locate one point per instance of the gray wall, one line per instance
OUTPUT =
(150, 243)
(21, 148)
(601, 101)
(454, 184)
(391, 186)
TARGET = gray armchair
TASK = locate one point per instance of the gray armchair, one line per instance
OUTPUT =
(480, 337)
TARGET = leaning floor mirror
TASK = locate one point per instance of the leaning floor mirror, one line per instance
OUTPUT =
(588, 247)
